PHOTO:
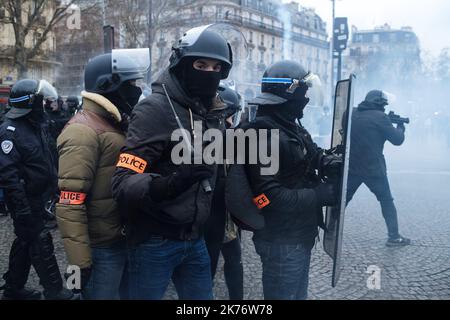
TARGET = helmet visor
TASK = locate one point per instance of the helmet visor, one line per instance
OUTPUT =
(47, 91)
(131, 61)
(389, 97)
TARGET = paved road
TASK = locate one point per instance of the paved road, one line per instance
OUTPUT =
(420, 271)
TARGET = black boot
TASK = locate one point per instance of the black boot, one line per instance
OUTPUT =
(63, 294)
(20, 294)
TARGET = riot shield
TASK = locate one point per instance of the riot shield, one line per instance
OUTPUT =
(340, 141)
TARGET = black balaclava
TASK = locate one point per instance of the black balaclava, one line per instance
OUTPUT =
(125, 98)
(197, 83)
(286, 113)
(366, 105)
(37, 114)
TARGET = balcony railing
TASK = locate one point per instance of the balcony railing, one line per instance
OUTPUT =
(251, 24)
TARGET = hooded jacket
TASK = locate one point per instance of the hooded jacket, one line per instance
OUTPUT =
(88, 150)
(147, 153)
(371, 128)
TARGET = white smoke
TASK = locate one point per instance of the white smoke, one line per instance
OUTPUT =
(285, 17)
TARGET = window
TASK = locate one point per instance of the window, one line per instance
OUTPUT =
(262, 40)
(272, 58)
(251, 37)
(250, 54)
(273, 42)
(376, 38)
(393, 37)
(36, 38)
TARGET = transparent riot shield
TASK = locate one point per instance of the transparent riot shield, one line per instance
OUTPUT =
(340, 142)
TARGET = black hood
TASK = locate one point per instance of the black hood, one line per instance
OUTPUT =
(365, 106)
(176, 93)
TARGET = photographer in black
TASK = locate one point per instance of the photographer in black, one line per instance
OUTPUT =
(371, 128)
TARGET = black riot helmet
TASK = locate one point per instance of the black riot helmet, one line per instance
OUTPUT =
(72, 101)
(377, 98)
(233, 100)
(106, 73)
(284, 81)
(28, 95)
(203, 42)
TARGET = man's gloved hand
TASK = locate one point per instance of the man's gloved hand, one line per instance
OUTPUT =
(401, 126)
(169, 187)
(326, 195)
(85, 275)
(331, 165)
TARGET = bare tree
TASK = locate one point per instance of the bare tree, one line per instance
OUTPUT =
(142, 21)
(29, 18)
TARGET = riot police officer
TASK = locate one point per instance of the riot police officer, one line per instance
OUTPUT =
(73, 105)
(371, 128)
(167, 204)
(291, 199)
(27, 168)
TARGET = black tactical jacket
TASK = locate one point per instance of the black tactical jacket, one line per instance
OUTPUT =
(148, 146)
(27, 167)
(371, 128)
(291, 215)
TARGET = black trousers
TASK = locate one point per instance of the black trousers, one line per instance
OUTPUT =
(379, 186)
(33, 246)
(233, 269)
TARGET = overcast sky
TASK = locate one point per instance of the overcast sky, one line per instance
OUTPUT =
(430, 19)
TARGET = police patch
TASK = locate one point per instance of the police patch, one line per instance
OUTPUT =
(7, 146)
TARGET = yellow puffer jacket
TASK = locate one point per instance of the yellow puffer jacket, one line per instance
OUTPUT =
(88, 150)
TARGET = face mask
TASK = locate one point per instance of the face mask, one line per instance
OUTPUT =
(294, 109)
(125, 98)
(130, 93)
(37, 115)
(202, 84)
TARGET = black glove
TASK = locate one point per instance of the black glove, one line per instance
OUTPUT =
(169, 187)
(326, 195)
(331, 165)
(401, 126)
(85, 275)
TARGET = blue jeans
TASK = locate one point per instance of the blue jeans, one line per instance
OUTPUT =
(109, 276)
(285, 270)
(154, 262)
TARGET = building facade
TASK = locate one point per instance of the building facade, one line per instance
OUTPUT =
(78, 43)
(383, 57)
(42, 66)
(270, 32)
(267, 32)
